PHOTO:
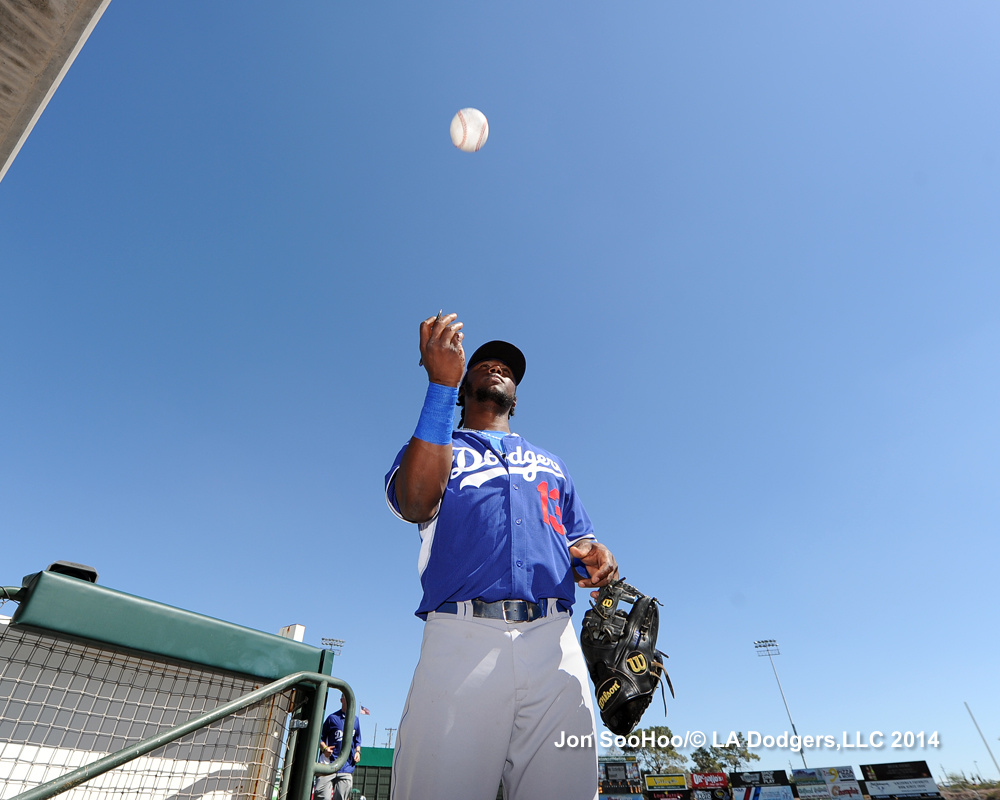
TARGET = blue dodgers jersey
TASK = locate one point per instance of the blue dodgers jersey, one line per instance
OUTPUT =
(333, 735)
(504, 527)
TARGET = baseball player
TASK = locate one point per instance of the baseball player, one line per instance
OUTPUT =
(338, 786)
(501, 680)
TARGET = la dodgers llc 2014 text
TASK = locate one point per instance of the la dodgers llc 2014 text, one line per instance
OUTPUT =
(755, 740)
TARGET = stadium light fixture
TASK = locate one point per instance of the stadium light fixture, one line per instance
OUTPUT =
(769, 648)
(333, 645)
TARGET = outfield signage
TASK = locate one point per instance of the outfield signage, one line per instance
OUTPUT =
(709, 780)
(762, 793)
(828, 783)
(761, 777)
(673, 781)
(902, 779)
(896, 771)
(890, 790)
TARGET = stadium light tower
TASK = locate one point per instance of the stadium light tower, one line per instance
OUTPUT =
(769, 648)
(333, 645)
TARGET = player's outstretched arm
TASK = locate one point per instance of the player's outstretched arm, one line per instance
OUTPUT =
(602, 568)
(426, 465)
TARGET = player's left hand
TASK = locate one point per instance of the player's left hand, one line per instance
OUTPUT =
(599, 561)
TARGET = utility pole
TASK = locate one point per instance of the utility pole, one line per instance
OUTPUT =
(769, 648)
(388, 738)
(982, 737)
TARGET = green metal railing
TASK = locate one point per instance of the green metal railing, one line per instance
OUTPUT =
(12, 593)
(296, 784)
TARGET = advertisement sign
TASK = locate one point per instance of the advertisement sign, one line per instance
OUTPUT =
(812, 791)
(827, 783)
(760, 785)
(897, 771)
(889, 790)
(810, 785)
(808, 776)
(899, 779)
(709, 780)
(762, 793)
(672, 781)
(765, 777)
(711, 794)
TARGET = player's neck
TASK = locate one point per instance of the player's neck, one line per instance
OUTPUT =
(486, 419)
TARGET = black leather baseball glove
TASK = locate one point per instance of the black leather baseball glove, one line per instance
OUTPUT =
(621, 655)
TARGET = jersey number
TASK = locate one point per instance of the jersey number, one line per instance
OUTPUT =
(555, 518)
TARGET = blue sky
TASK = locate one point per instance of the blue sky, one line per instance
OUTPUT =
(749, 250)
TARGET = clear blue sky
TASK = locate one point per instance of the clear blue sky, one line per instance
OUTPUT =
(749, 249)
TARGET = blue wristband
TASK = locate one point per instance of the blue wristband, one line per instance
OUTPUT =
(437, 417)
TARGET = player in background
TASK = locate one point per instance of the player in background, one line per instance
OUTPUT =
(338, 786)
(501, 679)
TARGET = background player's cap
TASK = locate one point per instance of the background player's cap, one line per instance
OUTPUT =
(502, 351)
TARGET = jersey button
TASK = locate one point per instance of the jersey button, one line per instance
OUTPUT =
(520, 563)
(518, 520)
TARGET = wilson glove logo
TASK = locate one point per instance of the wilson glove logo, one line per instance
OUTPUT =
(637, 663)
(607, 694)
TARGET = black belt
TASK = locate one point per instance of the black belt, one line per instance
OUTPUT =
(507, 610)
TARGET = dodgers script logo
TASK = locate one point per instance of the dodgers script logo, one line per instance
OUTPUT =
(482, 467)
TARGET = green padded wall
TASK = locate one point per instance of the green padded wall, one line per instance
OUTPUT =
(83, 610)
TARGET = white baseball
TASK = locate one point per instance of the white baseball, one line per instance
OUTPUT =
(469, 130)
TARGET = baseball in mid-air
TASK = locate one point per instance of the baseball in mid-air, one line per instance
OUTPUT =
(469, 130)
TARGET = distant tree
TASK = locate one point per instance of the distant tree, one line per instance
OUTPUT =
(735, 755)
(614, 750)
(655, 753)
(724, 758)
(707, 760)
(956, 786)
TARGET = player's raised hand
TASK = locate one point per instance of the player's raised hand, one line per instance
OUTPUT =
(601, 565)
(441, 351)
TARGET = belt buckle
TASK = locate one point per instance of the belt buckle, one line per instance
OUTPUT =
(511, 605)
